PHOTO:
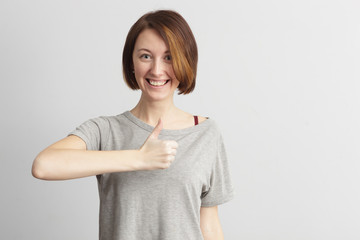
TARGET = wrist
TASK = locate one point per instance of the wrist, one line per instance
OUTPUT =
(137, 160)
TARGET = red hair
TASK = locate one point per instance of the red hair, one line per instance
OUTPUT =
(177, 35)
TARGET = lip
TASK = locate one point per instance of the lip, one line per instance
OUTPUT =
(157, 80)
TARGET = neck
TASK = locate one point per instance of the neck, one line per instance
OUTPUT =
(150, 112)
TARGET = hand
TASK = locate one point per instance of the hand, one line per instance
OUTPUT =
(155, 153)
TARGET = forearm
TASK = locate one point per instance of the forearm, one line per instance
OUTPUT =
(214, 233)
(210, 223)
(62, 164)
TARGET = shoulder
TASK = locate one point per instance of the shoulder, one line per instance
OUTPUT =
(100, 121)
(209, 126)
(202, 119)
(104, 122)
(110, 119)
(210, 121)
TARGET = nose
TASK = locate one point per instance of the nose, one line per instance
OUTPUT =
(157, 68)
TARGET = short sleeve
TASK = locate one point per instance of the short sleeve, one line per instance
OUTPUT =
(94, 132)
(221, 188)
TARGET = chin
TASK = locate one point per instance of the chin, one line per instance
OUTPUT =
(160, 97)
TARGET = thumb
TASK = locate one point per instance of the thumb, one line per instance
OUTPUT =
(155, 133)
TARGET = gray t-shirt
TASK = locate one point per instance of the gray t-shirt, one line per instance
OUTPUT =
(158, 204)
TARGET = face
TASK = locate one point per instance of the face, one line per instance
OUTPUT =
(153, 67)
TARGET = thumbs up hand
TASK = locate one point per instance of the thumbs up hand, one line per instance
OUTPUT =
(156, 153)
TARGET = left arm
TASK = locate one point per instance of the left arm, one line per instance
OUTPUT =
(210, 223)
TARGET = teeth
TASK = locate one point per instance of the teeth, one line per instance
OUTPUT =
(157, 83)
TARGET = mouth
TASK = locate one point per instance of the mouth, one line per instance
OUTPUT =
(157, 83)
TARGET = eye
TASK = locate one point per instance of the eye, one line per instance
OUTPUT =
(145, 56)
(168, 57)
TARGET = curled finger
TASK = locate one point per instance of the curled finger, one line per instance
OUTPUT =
(170, 158)
(171, 144)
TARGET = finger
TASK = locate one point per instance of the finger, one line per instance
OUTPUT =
(155, 133)
(171, 144)
(170, 158)
(171, 151)
(166, 165)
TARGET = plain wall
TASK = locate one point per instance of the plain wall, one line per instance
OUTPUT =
(281, 79)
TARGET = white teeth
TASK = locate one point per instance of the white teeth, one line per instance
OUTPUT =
(157, 83)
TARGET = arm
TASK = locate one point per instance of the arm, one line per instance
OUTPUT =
(210, 223)
(69, 159)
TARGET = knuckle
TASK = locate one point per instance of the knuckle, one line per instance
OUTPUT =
(168, 144)
(165, 166)
(174, 144)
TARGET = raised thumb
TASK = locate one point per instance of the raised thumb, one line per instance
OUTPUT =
(155, 133)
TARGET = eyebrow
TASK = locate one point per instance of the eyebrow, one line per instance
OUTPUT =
(143, 49)
(147, 50)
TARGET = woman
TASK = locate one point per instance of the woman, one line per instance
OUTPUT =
(161, 171)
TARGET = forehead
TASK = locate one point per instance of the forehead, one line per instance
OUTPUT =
(150, 39)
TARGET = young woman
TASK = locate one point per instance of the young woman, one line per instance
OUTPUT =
(161, 171)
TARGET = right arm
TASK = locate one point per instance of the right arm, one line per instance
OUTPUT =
(69, 159)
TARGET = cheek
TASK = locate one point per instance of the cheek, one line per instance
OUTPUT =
(174, 83)
(137, 67)
(139, 71)
(171, 72)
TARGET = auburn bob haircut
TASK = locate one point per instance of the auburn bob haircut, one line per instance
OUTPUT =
(177, 35)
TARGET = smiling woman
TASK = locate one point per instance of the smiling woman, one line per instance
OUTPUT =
(179, 40)
(152, 66)
(161, 171)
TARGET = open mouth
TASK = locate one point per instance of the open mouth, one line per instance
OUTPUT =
(157, 83)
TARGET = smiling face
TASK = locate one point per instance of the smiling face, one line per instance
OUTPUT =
(153, 67)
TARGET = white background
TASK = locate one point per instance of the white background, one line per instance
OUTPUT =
(279, 77)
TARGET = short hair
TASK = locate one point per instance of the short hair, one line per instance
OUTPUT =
(177, 35)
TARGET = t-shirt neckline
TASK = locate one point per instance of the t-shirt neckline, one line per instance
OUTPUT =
(150, 128)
